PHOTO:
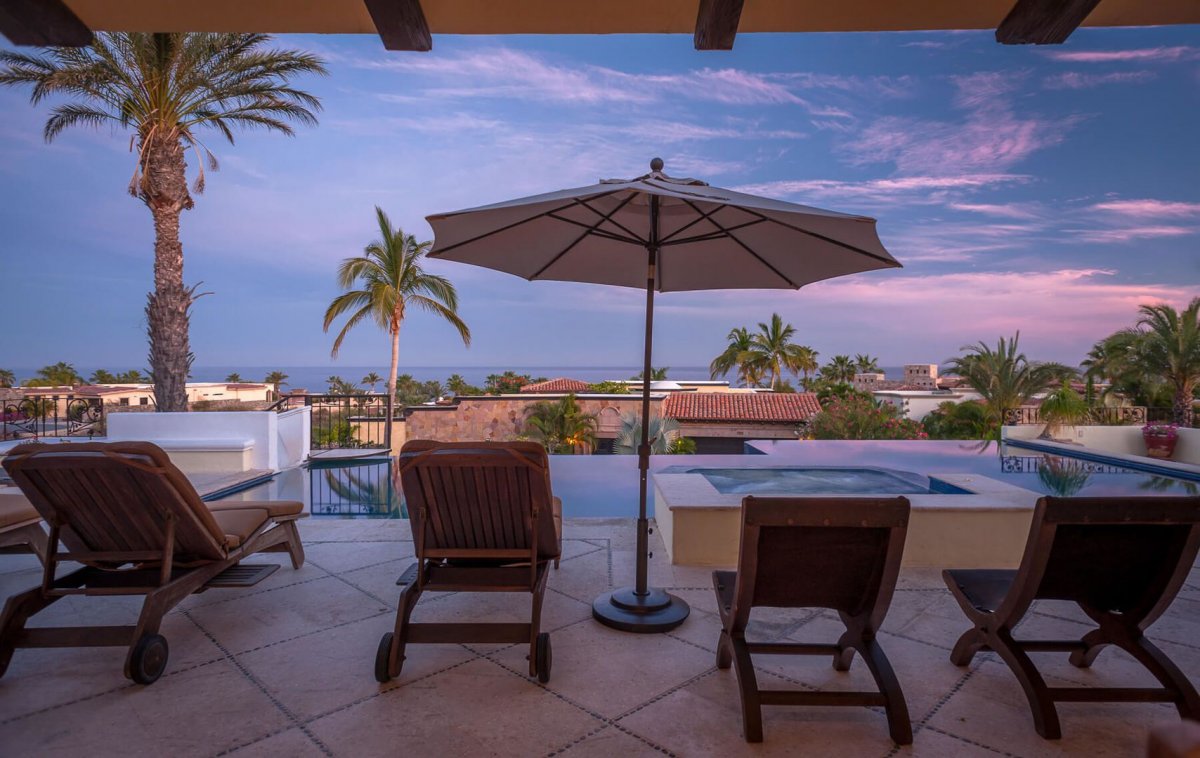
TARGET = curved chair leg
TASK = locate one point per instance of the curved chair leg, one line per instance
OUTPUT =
(748, 687)
(17, 610)
(535, 620)
(899, 724)
(843, 659)
(1096, 641)
(408, 600)
(295, 547)
(1165, 671)
(724, 651)
(970, 643)
(1045, 716)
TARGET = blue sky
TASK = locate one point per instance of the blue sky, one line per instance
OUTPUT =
(1047, 189)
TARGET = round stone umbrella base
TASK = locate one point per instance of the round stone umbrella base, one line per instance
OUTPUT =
(655, 612)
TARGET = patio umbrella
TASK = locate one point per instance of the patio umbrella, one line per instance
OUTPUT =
(667, 235)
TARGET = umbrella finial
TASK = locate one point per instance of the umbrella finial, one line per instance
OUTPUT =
(656, 164)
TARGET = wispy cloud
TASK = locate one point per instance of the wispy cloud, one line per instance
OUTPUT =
(1077, 80)
(1149, 54)
(1149, 208)
(1001, 210)
(904, 190)
(991, 136)
(1131, 233)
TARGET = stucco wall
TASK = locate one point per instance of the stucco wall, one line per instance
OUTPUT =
(503, 418)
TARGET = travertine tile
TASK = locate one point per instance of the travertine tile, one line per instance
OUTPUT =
(293, 743)
(478, 708)
(607, 742)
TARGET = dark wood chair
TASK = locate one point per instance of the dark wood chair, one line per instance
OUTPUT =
(21, 526)
(133, 520)
(483, 520)
(810, 552)
(1122, 560)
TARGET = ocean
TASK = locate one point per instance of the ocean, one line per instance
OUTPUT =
(314, 378)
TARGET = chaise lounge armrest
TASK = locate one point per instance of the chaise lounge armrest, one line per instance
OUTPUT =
(279, 510)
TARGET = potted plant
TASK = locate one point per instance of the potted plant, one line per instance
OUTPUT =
(1160, 439)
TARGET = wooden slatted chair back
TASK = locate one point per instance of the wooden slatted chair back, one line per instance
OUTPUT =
(1120, 554)
(115, 497)
(479, 500)
(820, 552)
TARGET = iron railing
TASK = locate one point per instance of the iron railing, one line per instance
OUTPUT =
(353, 488)
(65, 415)
(345, 421)
(1103, 416)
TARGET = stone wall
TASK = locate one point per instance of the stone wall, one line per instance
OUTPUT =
(502, 418)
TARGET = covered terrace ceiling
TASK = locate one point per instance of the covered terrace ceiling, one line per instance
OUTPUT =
(408, 24)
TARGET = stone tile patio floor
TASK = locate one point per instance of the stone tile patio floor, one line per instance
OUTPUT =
(285, 669)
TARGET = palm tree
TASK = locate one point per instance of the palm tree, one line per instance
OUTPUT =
(102, 376)
(663, 432)
(372, 379)
(7, 378)
(276, 379)
(390, 280)
(61, 374)
(656, 374)
(234, 378)
(733, 356)
(772, 349)
(806, 361)
(1169, 347)
(1062, 407)
(865, 364)
(561, 426)
(164, 88)
(840, 369)
(1115, 360)
(1004, 377)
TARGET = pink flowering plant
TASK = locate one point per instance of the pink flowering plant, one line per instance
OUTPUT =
(858, 417)
(1169, 432)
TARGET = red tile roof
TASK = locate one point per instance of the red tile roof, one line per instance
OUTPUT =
(560, 384)
(742, 406)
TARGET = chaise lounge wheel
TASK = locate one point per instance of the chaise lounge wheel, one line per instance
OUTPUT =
(382, 675)
(149, 659)
(544, 657)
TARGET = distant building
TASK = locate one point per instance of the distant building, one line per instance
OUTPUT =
(922, 375)
(561, 384)
(722, 422)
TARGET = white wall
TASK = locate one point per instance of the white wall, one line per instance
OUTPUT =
(1121, 440)
(277, 441)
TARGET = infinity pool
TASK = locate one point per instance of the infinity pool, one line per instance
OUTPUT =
(607, 485)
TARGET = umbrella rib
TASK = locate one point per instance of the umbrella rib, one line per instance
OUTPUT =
(598, 232)
(890, 261)
(743, 245)
(618, 224)
(574, 201)
(711, 235)
(580, 238)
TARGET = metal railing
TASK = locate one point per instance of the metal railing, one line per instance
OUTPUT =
(345, 421)
(34, 416)
(353, 489)
(1103, 416)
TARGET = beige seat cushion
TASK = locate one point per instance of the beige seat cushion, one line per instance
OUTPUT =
(239, 524)
(16, 510)
(278, 509)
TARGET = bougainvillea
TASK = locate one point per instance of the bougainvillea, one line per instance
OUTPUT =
(860, 418)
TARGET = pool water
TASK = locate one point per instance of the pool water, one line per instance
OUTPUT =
(607, 485)
(823, 481)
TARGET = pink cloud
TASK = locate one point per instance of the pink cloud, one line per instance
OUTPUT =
(1076, 80)
(1149, 208)
(1158, 54)
(1003, 210)
(1128, 234)
(916, 190)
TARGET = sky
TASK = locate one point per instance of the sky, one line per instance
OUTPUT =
(1049, 190)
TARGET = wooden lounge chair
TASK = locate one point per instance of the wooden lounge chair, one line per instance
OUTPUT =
(133, 520)
(482, 517)
(1122, 560)
(20, 525)
(810, 552)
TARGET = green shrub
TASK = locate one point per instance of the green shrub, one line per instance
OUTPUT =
(856, 417)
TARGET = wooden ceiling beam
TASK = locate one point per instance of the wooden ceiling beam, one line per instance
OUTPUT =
(401, 24)
(46, 23)
(717, 24)
(1043, 22)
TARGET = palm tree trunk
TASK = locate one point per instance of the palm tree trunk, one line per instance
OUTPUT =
(165, 193)
(391, 385)
(1182, 407)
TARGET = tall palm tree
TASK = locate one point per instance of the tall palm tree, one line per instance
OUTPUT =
(772, 349)
(1004, 377)
(840, 368)
(1169, 347)
(61, 374)
(276, 379)
(735, 356)
(561, 426)
(865, 364)
(7, 378)
(390, 280)
(164, 88)
(234, 377)
(372, 379)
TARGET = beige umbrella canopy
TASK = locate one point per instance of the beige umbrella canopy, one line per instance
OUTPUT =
(667, 235)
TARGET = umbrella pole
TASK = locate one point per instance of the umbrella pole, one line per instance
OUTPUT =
(641, 608)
